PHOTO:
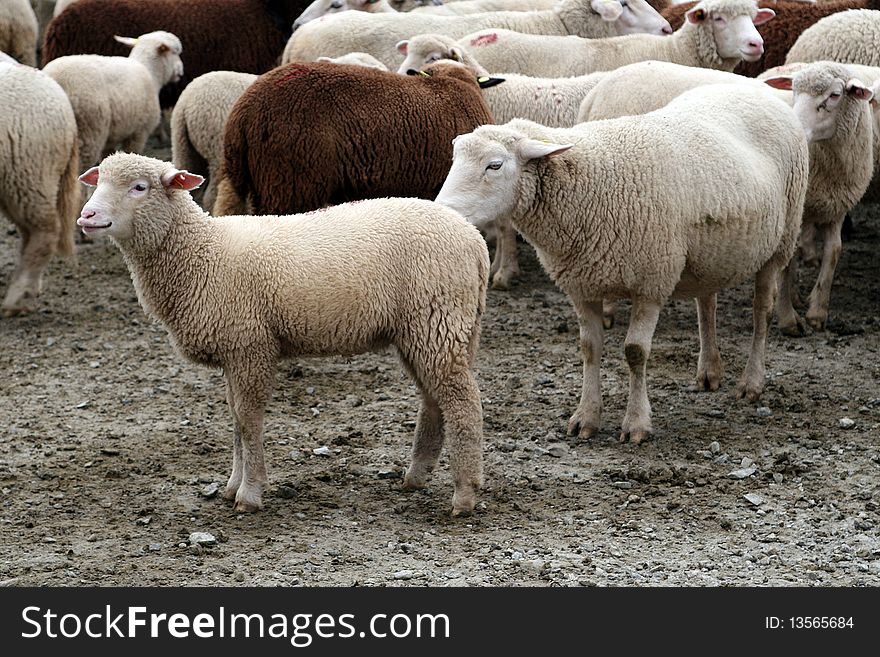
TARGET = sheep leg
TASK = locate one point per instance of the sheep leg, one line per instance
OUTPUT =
(427, 445)
(790, 323)
(459, 399)
(751, 385)
(637, 348)
(807, 243)
(249, 388)
(820, 297)
(585, 421)
(505, 266)
(709, 368)
(237, 458)
(38, 243)
(135, 143)
(609, 308)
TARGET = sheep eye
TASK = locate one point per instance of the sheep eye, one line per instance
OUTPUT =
(140, 187)
(336, 5)
(494, 165)
(835, 95)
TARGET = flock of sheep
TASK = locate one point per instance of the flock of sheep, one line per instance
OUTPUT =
(618, 137)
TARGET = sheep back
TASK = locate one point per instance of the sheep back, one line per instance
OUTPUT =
(307, 135)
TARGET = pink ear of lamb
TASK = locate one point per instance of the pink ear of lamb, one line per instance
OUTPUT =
(763, 16)
(402, 47)
(781, 82)
(90, 177)
(173, 178)
(858, 90)
(696, 15)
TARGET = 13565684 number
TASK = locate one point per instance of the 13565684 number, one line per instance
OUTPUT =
(820, 622)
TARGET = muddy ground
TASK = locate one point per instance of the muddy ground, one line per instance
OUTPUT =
(109, 442)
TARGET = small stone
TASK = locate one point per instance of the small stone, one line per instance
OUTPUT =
(625, 485)
(210, 491)
(144, 520)
(389, 474)
(715, 412)
(778, 478)
(353, 401)
(295, 454)
(846, 423)
(84, 404)
(726, 524)
(323, 450)
(310, 391)
(746, 462)
(714, 447)
(286, 492)
(763, 411)
(94, 364)
(754, 498)
(403, 574)
(50, 342)
(154, 547)
(558, 450)
(238, 577)
(202, 538)
(742, 473)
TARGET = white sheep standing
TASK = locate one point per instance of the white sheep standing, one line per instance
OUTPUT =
(243, 292)
(321, 8)
(376, 34)
(19, 30)
(198, 121)
(716, 34)
(842, 151)
(849, 37)
(38, 168)
(116, 99)
(833, 106)
(609, 217)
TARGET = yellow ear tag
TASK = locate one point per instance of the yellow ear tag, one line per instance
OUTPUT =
(456, 57)
(483, 79)
(427, 75)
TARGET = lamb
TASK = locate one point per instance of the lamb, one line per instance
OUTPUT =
(792, 18)
(378, 33)
(252, 32)
(833, 107)
(718, 34)
(609, 217)
(241, 293)
(308, 135)
(18, 31)
(38, 166)
(116, 99)
(849, 37)
(198, 122)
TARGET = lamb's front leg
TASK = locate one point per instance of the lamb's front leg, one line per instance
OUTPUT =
(709, 366)
(820, 297)
(637, 348)
(751, 385)
(585, 421)
(249, 389)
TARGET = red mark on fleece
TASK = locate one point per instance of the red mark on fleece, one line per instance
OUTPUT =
(484, 39)
(294, 71)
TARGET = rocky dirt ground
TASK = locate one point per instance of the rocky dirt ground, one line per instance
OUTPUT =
(111, 449)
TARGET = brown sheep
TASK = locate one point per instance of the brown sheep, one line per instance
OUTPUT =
(304, 136)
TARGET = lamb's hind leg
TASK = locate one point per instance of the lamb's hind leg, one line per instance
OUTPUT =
(585, 421)
(428, 437)
(820, 297)
(250, 386)
(709, 366)
(637, 348)
(751, 385)
(237, 457)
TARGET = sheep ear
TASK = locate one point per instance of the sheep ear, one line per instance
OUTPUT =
(402, 46)
(875, 99)
(126, 41)
(162, 48)
(608, 10)
(857, 89)
(485, 81)
(176, 179)
(90, 177)
(532, 149)
(323, 59)
(696, 15)
(763, 16)
(455, 54)
(780, 82)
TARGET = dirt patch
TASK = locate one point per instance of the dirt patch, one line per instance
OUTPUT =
(110, 443)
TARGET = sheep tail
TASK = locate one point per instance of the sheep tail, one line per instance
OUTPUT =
(67, 203)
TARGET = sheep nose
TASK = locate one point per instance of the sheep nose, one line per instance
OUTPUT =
(87, 214)
(756, 45)
(667, 29)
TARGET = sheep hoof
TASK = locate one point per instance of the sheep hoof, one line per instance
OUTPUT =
(581, 429)
(463, 502)
(462, 512)
(636, 436)
(500, 283)
(817, 322)
(246, 507)
(608, 321)
(798, 329)
(748, 392)
(708, 382)
(413, 481)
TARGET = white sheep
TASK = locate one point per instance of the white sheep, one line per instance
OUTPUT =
(842, 150)
(116, 99)
(479, 6)
(198, 121)
(243, 292)
(610, 217)
(18, 31)
(38, 168)
(321, 8)
(356, 59)
(832, 104)
(849, 37)
(716, 34)
(377, 34)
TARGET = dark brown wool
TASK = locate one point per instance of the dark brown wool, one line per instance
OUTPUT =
(779, 34)
(233, 35)
(306, 135)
